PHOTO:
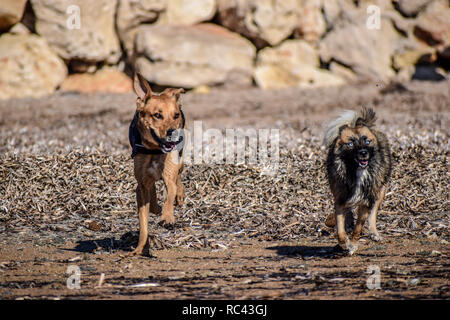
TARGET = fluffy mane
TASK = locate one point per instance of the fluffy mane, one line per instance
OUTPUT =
(350, 118)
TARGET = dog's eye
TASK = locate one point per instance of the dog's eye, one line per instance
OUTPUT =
(157, 115)
(176, 116)
(367, 142)
(350, 144)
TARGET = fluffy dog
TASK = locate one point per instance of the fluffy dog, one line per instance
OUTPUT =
(156, 137)
(358, 168)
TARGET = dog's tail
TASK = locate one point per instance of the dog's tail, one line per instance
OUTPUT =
(348, 118)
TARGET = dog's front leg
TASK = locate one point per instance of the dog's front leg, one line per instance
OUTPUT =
(143, 203)
(373, 232)
(340, 213)
(180, 190)
(363, 213)
(170, 176)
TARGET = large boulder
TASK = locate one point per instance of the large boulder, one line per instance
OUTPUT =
(410, 8)
(28, 67)
(311, 25)
(366, 51)
(11, 12)
(79, 29)
(294, 63)
(189, 56)
(106, 79)
(262, 21)
(182, 12)
(131, 14)
(433, 24)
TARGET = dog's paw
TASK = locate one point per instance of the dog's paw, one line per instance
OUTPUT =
(375, 236)
(140, 251)
(167, 220)
(179, 199)
(351, 247)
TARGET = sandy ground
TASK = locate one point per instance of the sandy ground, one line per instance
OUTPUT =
(67, 202)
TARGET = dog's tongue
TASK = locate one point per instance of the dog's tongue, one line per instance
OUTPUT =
(364, 162)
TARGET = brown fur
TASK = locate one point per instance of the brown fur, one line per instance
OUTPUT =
(157, 112)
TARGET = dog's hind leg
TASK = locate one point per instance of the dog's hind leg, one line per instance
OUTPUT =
(373, 232)
(143, 202)
(331, 220)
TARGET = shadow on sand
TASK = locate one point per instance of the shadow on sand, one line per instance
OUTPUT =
(127, 242)
(309, 251)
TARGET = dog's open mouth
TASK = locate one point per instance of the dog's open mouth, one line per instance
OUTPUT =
(169, 143)
(167, 147)
(362, 163)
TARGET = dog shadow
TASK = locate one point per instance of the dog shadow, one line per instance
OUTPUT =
(309, 251)
(127, 242)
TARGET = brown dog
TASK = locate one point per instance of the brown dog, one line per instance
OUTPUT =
(156, 138)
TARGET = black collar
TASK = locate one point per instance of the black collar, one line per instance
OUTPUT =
(136, 139)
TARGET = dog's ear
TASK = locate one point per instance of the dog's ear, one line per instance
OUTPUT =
(174, 92)
(342, 128)
(141, 87)
(367, 118)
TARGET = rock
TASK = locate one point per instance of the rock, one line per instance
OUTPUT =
(202, 89)
(132, 13)
(433, 24)
(410, 8)
(436, 253)
(411, 55)
(275, 77)
(262, 21)
(11, 12)
(104, 80)
(342, 71)
(94, 226)
(79, 29)
(295, 63)
(312, 23)
(366, 51)
(335, 11)
(331, 11)
(190, 56)
(28, 67)
(19, 28)
(182, 12)
(290, 54)
(344, 11)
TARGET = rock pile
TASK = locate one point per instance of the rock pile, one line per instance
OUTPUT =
(274, 44)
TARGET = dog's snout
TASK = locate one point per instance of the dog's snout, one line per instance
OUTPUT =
(363, 153)
(170, 132)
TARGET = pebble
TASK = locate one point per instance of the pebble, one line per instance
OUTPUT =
(436, 253)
